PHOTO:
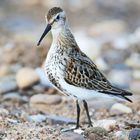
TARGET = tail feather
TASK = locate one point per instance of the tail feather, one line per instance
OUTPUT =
(119, 93)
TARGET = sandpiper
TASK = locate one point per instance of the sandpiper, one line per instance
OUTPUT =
(70, 70)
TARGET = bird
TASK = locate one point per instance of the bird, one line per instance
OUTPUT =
(70, 70)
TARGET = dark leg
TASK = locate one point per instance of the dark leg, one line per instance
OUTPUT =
(78, 114)
(86, 108)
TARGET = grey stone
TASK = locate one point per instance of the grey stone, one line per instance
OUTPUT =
(53, 119)
(134, 134)
(7, 85)
(71, 136)
(37, 118)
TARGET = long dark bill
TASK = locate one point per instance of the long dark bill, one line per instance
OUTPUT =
(48, 28)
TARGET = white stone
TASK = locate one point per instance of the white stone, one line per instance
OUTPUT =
(107, 124)
(26, 77)
(119, 108)
(37, 118)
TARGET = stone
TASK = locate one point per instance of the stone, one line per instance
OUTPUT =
(45, 99)
(119, 108)
(97, 131)
(134, 134)
(135, 86)
(14, 97)
(3, 112)
(7, 84)
(71, 136)
(43, 78)
(53, 119)
(26, 77)
(120, 135)
(37, 118)
(107, 124)
(136, 74)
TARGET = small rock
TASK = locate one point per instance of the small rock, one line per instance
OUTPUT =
(43, 78)
(12, 121)
(108, 125)
(95, 133)
(53, 119)
(71, 136)
(7, 85)
(136, 74)
(3, 112)
(45, 99)
(37, 118)
(14, 97)
(119, 108)
(26, 77)
(120, 135)
(134, 134)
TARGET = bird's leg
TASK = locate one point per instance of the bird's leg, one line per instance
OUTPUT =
(87, 112)
(77, 123)
(78, 114)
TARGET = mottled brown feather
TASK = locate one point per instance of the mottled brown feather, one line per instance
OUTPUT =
(53, 12)
(82, 72)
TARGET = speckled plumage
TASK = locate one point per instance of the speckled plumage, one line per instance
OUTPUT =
(70, 70)
(66, 61)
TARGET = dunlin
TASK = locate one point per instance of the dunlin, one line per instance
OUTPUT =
(70, 70)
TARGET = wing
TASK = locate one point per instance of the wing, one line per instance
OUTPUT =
(82, 72)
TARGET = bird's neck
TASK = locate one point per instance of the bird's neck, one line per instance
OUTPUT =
(63, 36)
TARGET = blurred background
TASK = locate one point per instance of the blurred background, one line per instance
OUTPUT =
(107, 31)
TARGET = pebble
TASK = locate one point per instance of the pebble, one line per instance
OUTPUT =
(134, 134)
(26, 77)
(53, 119)
(94, 133)
(43, 78)
(45, 99)
(107, 124)
(120, 135)
(71, 136)
(14, 97)
(7, 85)
(37, 118)
(3, 112)
(119, 108)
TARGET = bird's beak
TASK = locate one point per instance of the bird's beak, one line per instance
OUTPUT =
(48, 28)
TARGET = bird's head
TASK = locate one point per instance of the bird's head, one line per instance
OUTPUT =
(56, 20)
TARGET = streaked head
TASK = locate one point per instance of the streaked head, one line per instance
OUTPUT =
(56, 19)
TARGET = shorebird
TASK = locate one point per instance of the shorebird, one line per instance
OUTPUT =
(70, 70)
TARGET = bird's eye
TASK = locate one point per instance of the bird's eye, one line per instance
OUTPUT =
(58, 17)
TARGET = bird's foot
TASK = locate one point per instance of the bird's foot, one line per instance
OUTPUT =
(90, 124)
(70, 129)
